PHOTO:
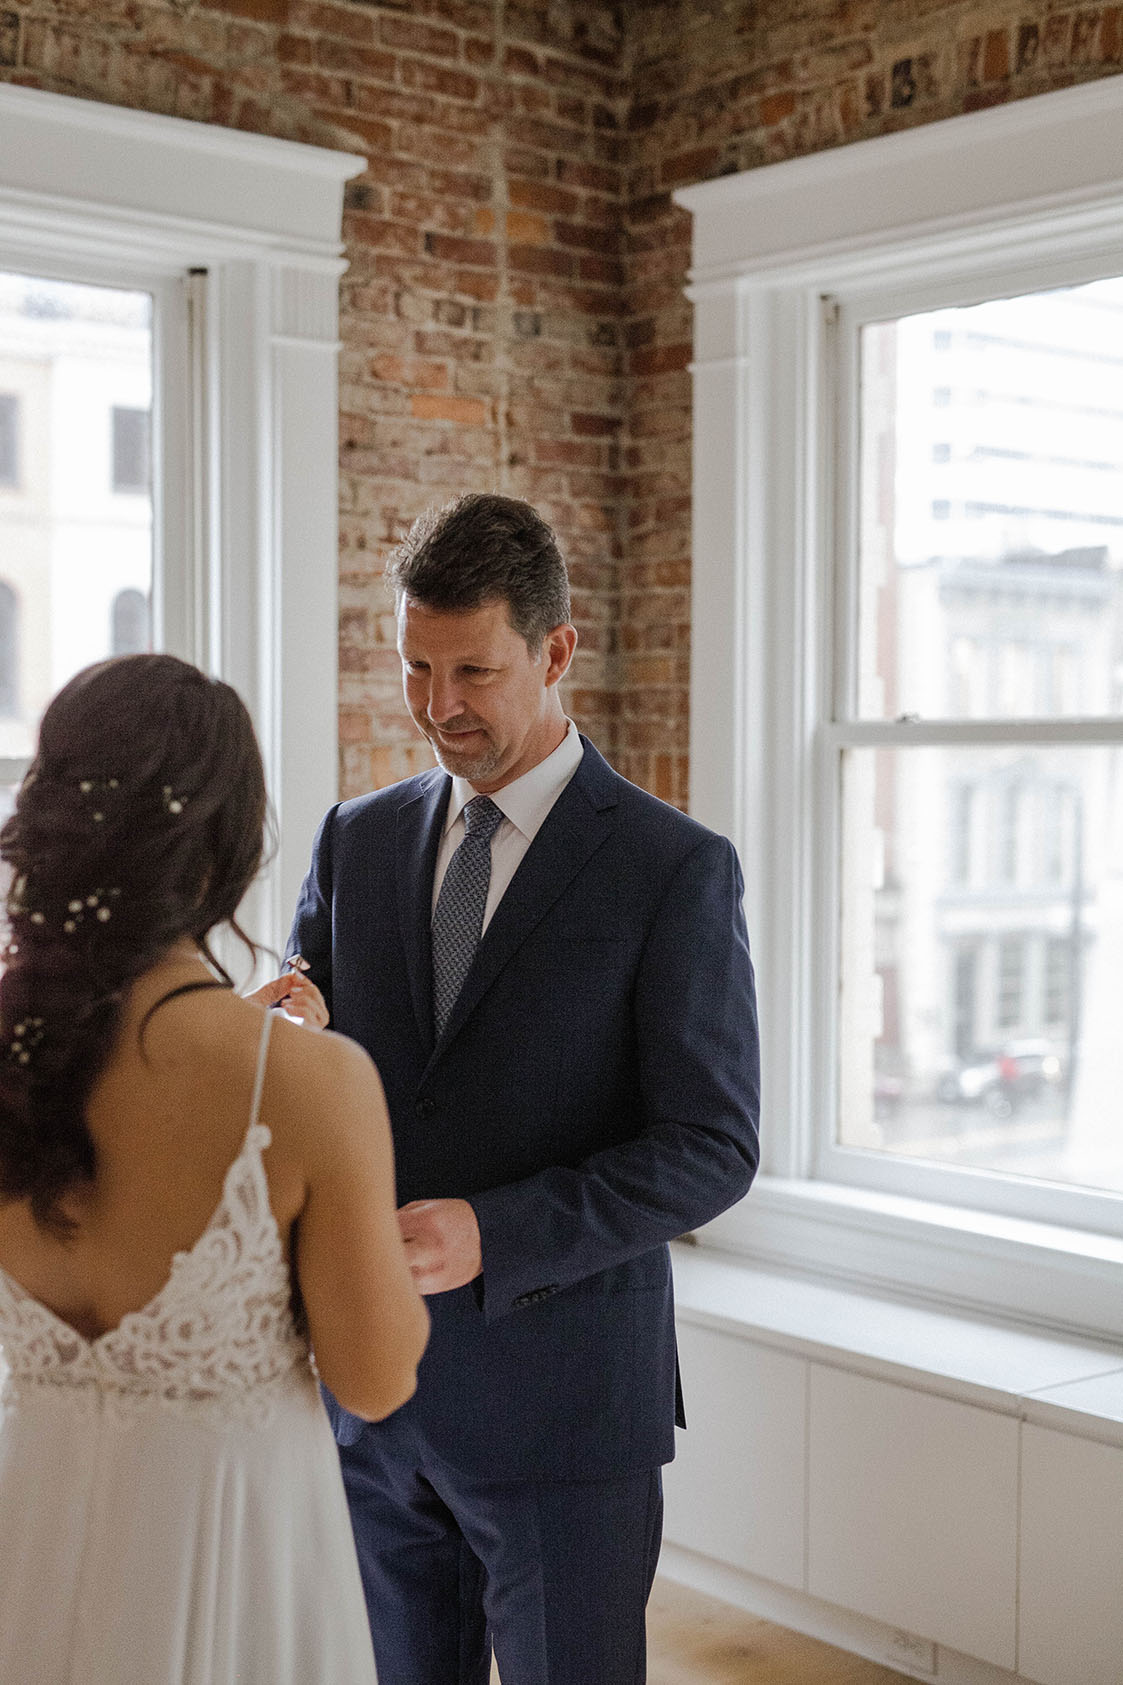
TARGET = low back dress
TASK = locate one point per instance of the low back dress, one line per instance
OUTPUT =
(171, 1505)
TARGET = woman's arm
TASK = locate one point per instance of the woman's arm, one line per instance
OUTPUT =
(367, 1322)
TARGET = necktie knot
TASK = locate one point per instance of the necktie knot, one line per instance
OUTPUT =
(482, 818)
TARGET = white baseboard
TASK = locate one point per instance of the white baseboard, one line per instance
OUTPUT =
(826, 1621)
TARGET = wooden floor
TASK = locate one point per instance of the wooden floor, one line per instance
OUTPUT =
(693, 1640)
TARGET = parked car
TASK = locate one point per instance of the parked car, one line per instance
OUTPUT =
(1004, 1080)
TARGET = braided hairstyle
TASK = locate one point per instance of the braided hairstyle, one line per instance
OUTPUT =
(140, 822)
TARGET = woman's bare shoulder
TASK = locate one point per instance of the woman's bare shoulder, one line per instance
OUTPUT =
(318, 1080)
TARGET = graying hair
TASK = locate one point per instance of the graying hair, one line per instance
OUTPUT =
(480, 548)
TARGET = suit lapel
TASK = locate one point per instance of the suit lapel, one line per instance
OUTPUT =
(578, 823)
(420, 824)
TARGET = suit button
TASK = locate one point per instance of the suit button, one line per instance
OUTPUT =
(425, 1106)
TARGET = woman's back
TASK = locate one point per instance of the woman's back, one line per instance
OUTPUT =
(170, 1504)
(168, 1116)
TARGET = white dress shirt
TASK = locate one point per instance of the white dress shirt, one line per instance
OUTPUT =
(524, 804)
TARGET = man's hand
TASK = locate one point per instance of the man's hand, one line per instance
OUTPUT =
(442, 1241)
(296, 995)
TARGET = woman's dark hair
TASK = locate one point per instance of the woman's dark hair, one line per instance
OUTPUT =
(140, 822)
(481, 547)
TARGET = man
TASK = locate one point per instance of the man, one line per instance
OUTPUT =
(569, 1090)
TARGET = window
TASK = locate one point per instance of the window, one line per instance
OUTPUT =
(130, 632)
(1008, 989)
(9, 440)
(67, 550)
(220, 464)
(131, 450)
(906, 692)
(9, 650)
(962, 838)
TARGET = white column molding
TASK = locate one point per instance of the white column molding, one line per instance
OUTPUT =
(238, 238)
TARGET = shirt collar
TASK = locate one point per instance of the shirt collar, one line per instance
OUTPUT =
(527, 800)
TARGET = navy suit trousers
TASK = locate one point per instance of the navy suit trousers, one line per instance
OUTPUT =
(554, 1573)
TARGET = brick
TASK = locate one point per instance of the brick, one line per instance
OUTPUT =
(419, 37)
(538, 260)
(520, 61)
(1111, 35)
(596, 177)
(354, 60)
(322, 18)
(569, 452)
(595, 426)
(660, 358)
(479, 51)
(437, 79)
(450, 249)
(996, 56)
(524, 228)
(590, 236)
(410, 371)
(381, 234)
(262, 11)
(446, 215)
(467, 412)
(543, 196)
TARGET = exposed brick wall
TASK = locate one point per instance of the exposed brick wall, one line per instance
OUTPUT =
(513, 316)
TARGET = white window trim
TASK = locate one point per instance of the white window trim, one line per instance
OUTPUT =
(246, 486)
(1032, 194)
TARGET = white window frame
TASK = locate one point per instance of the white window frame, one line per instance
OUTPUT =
(1007, 200)
(238, 238)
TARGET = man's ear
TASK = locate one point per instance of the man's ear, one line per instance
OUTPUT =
(559, 644)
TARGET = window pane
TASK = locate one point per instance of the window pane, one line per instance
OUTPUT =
(9, 439)
(983, 952)
(991, 511)
(75, 401)
(130, 450)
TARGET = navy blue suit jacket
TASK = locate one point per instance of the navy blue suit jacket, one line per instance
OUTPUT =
(594, 1094)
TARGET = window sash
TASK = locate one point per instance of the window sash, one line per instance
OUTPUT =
(836, 725)
(1010, 200)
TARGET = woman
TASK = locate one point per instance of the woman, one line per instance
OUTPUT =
(192, 1191)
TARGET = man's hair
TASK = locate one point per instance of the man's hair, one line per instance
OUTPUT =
(480, 548)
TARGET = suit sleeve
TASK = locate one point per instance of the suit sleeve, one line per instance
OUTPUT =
(698, 1071)
(310, 935)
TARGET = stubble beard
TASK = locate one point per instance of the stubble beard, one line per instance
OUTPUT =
(470, 766)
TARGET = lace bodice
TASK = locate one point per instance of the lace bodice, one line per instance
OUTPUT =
(216, 1341)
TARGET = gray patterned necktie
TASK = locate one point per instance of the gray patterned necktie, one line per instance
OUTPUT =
(459, 914)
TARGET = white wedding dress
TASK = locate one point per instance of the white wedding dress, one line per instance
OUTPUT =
(171, 1505)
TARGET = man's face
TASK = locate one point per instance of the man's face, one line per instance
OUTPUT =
(487, 705)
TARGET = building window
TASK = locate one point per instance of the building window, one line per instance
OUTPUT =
(1008, 991)
(9, 440)
(878, 628)
(1057, 994)
(132, 450)
(1009, 833)
(130, 624)
(962, 833)
(9, 651)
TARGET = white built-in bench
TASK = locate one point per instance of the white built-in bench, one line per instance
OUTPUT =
(938, 1493)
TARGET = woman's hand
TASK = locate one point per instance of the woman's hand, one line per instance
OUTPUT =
(296, 994)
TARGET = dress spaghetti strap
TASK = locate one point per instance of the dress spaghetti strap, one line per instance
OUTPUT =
(259, 1078)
